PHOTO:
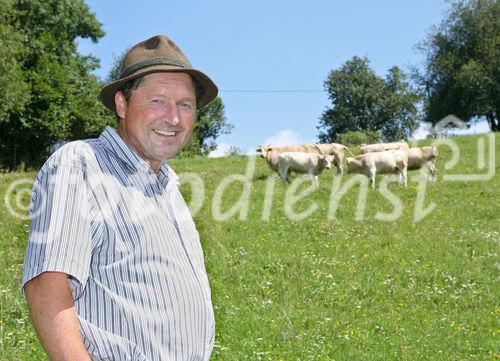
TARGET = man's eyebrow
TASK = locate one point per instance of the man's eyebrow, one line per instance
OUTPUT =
(190, 98)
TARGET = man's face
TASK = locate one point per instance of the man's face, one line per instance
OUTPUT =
(158, 119)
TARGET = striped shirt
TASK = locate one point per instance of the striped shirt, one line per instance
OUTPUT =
(125, 237)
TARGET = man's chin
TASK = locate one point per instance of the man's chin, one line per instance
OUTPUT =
(171, 153)
(171, 150)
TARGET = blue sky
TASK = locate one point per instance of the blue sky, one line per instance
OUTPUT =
(270, 58)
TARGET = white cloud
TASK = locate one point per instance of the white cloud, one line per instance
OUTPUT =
(476, 128)
(286, 137)
(220, 151)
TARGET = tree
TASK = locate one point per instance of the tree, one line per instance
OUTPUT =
(12, 82)
(210, 123)
(116, 69)
(354, 137)
(462, 66)
(48, 91)
(398, 111)
(363, 101)
(210, 120)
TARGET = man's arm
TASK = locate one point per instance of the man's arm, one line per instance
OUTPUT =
(53, 314)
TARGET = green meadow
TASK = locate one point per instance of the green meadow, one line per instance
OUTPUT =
(316, 274)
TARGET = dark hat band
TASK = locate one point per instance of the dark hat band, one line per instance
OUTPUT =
(151, 62)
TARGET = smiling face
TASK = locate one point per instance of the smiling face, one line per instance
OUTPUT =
(158, 119)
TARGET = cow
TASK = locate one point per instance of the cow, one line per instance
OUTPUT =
(419, 157)
(382, 147)
(327, 148)
(271, 159)
(270, 154)
(311, 164)
(336, 150)
(370, 164)
(305, 148)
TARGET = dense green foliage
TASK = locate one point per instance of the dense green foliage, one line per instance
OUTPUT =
(12, 83)
(210, 123)
(359, 137)
(48, 92)
(116, 69)
(210, 120)
(321, 289)
(462, 66)
(361, 100)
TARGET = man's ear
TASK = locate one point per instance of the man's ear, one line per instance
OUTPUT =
(120, 104)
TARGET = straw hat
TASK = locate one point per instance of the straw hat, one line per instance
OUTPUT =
(157, 54)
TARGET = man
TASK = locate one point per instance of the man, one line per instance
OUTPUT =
(114, 269)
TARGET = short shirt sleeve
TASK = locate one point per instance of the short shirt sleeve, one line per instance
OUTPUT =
(60, 233)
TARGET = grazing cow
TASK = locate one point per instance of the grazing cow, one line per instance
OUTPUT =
(382, 147)
(369, 164)
(419, 157)
(310, 163)
(305, 148)
(271, 159)
(270, 154)
(328, 148)
(336, 150)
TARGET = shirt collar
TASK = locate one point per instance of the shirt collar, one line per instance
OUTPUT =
(167, 177)
(115, 144)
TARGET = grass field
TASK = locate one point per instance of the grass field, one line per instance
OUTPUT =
(328, 286)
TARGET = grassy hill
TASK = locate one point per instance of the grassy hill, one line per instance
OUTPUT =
(326, 285)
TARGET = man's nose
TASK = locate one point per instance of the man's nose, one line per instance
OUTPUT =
(171, 114)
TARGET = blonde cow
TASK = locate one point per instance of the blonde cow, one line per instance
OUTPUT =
(386, 162)
(305, 148)
(270, 154)
(311, 164)
(419, 157)
(335, 150)
(381, 147)
(338, 151)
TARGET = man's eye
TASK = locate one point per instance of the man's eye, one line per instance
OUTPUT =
(185, 105)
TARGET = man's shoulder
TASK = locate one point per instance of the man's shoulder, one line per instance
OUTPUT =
(77, 154)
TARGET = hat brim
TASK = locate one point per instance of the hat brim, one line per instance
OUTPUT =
(208, 88)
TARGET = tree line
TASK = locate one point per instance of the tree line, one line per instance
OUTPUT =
(460, 76)
(48, 90)
(49, 93)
